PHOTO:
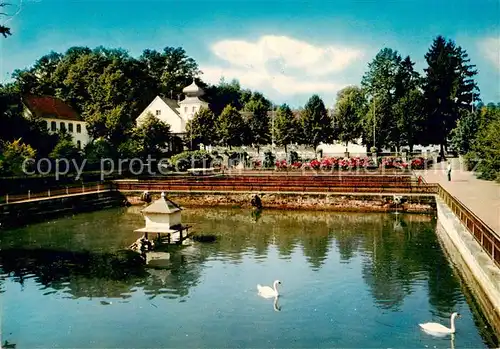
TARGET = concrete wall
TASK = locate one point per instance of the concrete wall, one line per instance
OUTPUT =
(475, 266)
(22, 213)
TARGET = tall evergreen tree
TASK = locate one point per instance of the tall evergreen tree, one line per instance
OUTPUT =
(448, 87)
(408, 104)
(380, 84)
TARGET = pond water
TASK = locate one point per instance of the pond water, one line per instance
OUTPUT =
(348, 280)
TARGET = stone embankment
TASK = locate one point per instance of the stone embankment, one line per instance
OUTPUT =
(300, 201)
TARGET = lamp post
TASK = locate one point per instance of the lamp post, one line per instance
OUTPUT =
(374, 121)
(273, 114)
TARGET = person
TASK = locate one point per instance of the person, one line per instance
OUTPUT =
(448, 169)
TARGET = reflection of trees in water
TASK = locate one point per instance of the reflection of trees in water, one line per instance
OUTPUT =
(393, 261)
(396, 260)
(86, 274)
(397, 250)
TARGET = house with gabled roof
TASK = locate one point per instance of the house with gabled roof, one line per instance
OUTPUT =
(176, 113)
(57, 116)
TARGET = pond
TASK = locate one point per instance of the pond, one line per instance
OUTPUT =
(347, 280)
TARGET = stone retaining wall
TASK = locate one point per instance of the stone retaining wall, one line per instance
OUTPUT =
(299, 201)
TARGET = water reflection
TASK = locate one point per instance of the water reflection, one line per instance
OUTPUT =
(96, 275)
(392, 261)
(393, 255)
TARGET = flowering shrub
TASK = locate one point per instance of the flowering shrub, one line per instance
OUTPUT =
(391, 162)
(418, 163)
(281, 165)
(297, 165)
(256, 164)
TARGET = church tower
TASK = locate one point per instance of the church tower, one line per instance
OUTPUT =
(192, 103)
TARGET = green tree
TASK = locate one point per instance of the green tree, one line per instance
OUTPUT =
(462, 137)
(65, 148)
(316, 123)
(200, 129)
(97, 150)
(486, 146)
(14, 125)
(410, 118)
(350, 109)
(380, 82)
(5, 31)
(13, 156)
(448, 88)
(153, 135)
(258, 123)
(285, 126)
(224, 94)
(231, 127)
(173, 69)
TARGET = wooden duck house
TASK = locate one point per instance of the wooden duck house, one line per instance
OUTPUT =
(164, 217)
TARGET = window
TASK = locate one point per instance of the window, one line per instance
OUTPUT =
(185, 109)
(62, 126)
(70, 127)
(53, 126)
(78, 128)
(46, 124)
(79, 144)
(194, 109)
(158, 112)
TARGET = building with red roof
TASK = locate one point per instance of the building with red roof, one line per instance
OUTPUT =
(58, 115)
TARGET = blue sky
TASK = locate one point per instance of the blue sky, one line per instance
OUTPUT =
(288, 50)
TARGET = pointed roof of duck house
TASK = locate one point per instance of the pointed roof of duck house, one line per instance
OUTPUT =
(163, 206)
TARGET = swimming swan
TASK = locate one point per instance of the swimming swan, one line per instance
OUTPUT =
(268, 292)
(436, 329)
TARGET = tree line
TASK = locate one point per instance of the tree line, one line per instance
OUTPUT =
(394, 105)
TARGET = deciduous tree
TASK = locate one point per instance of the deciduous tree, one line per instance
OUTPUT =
(231, 127)
(350, 109)
(285, 126)
(201, 128)
(316, 123)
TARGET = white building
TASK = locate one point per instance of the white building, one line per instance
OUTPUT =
(176, 113)
(162, 215)
(57, 115)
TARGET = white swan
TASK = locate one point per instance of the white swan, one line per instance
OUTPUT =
(436, 329)
(268, 292)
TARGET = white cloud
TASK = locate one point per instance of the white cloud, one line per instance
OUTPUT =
(491, 49)
(282, 66)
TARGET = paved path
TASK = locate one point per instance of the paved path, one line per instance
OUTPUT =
(481, 197)
(54, 197)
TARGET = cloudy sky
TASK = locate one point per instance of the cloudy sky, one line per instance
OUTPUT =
(288, 50)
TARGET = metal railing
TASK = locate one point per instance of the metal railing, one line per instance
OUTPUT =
(484, 235)
(56, 191)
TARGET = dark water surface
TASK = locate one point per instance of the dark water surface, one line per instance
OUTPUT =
(348, 280)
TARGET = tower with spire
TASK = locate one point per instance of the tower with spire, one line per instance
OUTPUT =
(192, 103)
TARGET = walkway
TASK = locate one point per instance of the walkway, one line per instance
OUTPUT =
(481, 197)
(54, 197)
